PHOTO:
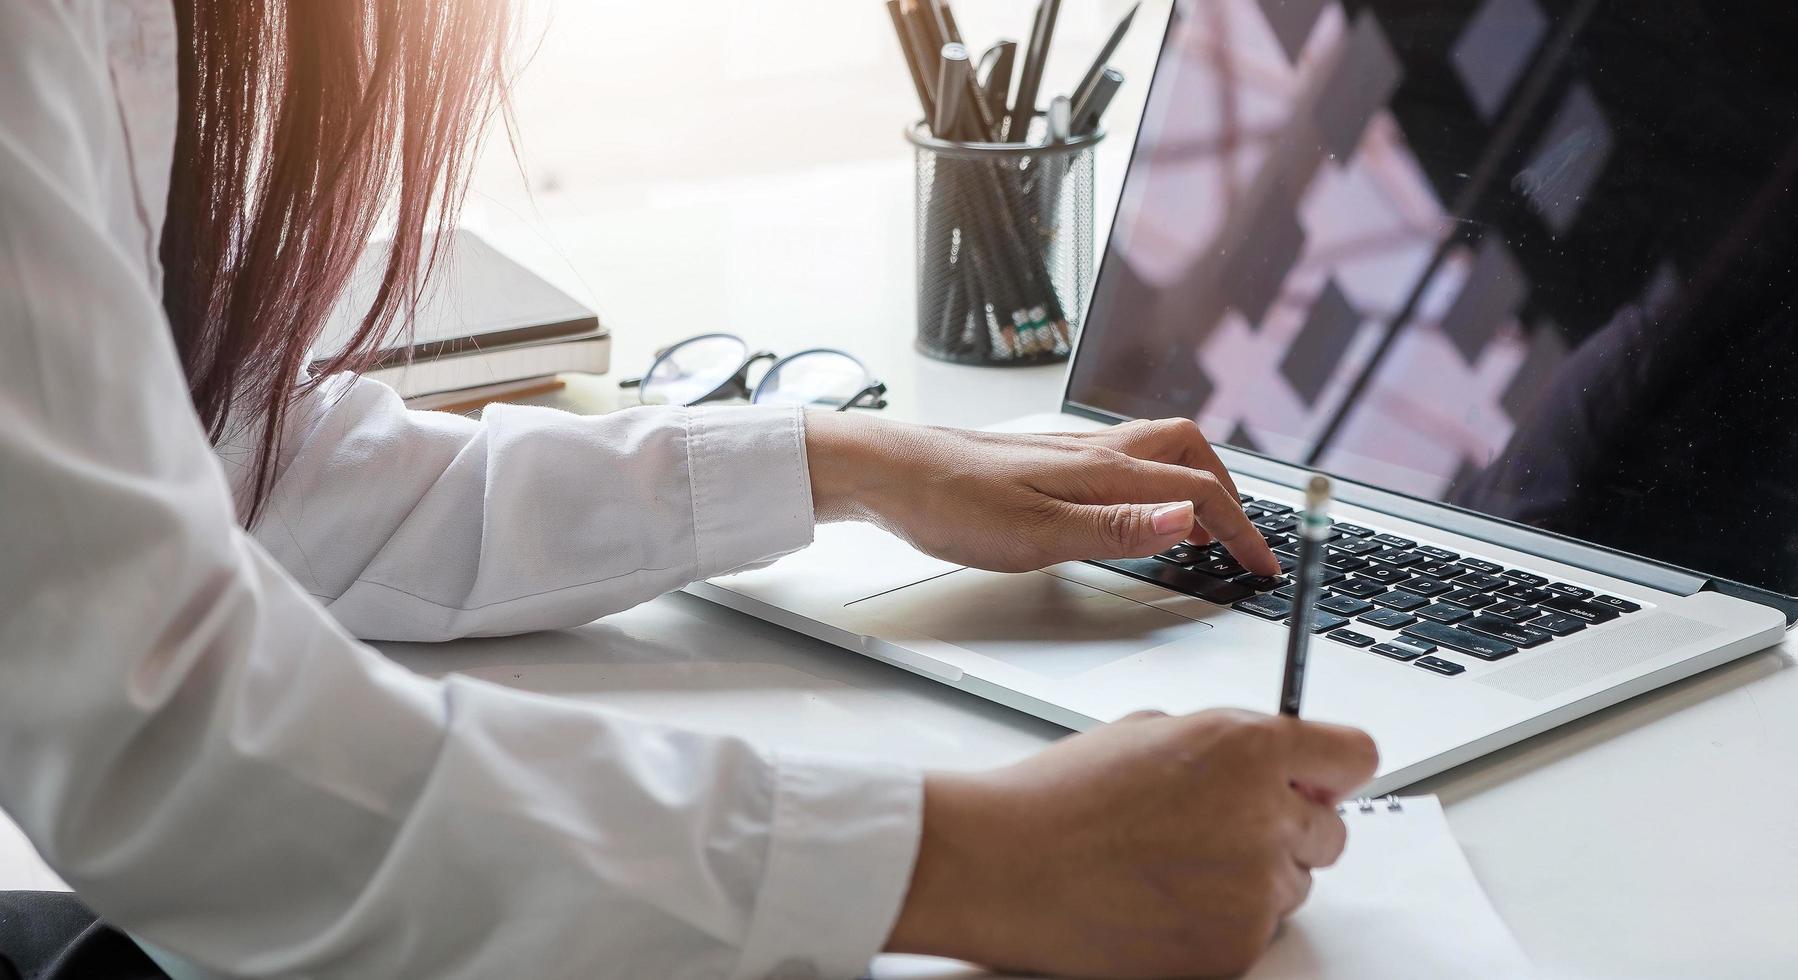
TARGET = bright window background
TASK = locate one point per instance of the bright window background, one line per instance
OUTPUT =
(706, 165)
(650, 91)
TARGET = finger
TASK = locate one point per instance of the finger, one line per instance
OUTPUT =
(1332, 761)
(1321, 836)
(1321, 797)
(1200, 454)
(1295, 887)
(1083, 531)
(1191, 448)
(1176, 441)
(1215, 508)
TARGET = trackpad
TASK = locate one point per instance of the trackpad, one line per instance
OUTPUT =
(1035, 621)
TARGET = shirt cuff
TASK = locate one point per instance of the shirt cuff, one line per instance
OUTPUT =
(839, 863)
(752, 490)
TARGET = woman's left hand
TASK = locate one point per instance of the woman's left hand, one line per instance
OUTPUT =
(1012, 503)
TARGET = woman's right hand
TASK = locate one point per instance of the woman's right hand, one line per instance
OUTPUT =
(1156, 846)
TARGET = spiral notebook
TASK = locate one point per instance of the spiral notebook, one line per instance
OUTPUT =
(1402, 903)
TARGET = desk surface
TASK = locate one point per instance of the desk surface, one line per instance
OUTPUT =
(1657, 838)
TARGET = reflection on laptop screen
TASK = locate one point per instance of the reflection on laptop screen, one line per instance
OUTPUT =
(1535, 258)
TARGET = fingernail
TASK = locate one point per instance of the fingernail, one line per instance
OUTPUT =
(1172, 518)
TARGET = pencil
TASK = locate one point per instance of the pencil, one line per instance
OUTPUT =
(925, 98)
(1313, 531)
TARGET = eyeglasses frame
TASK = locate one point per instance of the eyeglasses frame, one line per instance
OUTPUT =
(737, 385)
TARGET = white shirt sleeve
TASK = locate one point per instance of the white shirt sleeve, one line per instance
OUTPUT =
(429, 526)
(217, 766)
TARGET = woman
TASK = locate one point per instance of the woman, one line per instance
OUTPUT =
(196, 528)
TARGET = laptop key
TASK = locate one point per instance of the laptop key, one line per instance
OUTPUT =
(1440, 554)
(1262, 583)
(1472, 644)
(1387, 619)
(1507, 631)
(1221, 567)
(1612, 602)
(1438, 665)
(1272, 507)
(1481, 581)
(1557, 623)
(1394, 541)
(1527, 578)
(1358, 547)
(1352, 638)
(1591, 612)
(1401, 600)
(1266, 606)
(1515, 612)
(1344, 563)
(1438, 569)
(1572, 590)
(1209, 588)
(1524, 593)
(1353, 530)
(1445, 612)
(1345, 605)
(1396, 652)
(1360, 588)
(1384, 573)
(1470, 598)
(1323, 622)
(1277, 523)
(1423, 647)
(1397, 558)
(1185, 554)
(1276, 540)
(1244, 499)
(1427, 587)
(1490, 568)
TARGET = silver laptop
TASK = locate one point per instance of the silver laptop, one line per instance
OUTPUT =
(1519, 280)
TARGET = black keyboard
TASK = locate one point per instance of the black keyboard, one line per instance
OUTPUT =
(1405, 601)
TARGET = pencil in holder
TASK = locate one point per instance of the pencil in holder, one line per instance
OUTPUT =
(1005, 247)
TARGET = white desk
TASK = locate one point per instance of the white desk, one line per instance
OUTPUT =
(1657, 839)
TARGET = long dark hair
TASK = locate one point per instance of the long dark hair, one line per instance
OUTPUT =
(301, 123)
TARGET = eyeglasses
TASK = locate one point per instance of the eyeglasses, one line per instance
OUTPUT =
(718, 367)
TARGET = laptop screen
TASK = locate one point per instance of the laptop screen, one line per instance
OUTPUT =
(1534, 258)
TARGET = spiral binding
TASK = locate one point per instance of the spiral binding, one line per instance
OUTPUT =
(1368, 805)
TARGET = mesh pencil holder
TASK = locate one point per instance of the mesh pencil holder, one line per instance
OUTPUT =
(1005, 247)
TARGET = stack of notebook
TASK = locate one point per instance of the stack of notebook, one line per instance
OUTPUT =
(488, 329)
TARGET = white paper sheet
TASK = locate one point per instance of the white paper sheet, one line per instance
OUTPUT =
(1402, 903)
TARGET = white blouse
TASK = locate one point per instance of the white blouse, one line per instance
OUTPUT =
(190, 732)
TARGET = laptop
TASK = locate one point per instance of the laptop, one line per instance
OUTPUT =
(1517, 274)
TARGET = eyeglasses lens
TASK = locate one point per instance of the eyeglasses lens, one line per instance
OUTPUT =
(823, 378)
(693, 370)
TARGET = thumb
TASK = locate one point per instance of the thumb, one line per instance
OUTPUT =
(1136, 530)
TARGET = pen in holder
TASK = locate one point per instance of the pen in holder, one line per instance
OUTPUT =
(1005, 246)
